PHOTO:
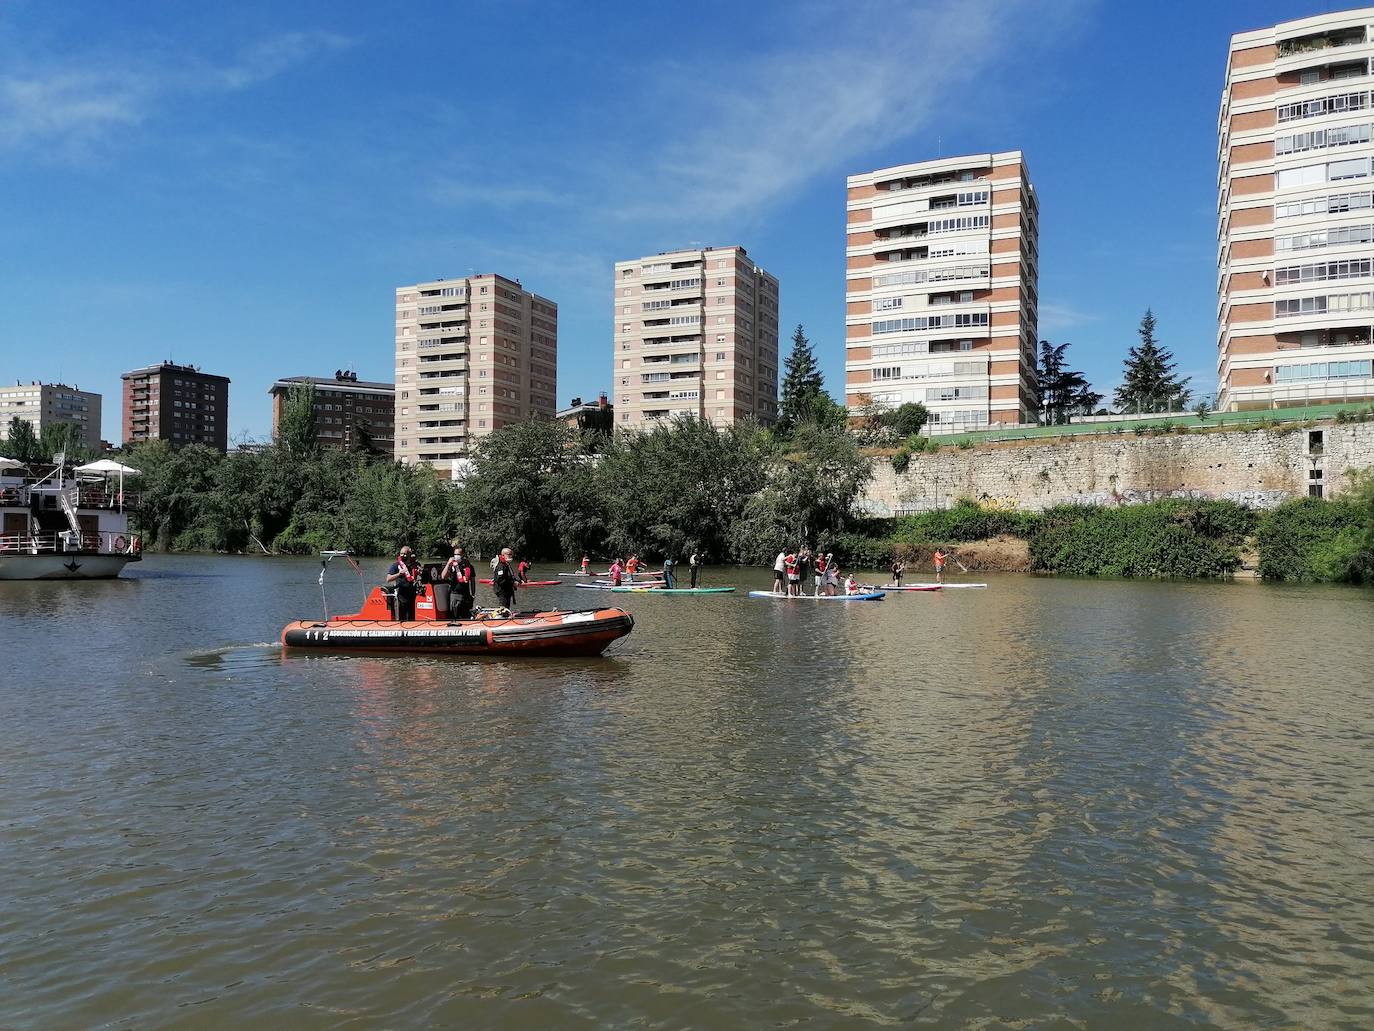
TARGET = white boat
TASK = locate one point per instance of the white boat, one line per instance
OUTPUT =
(58, 523)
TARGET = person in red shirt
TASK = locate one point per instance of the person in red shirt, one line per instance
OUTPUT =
(523, 571)
(632, 567)
(793, 570)
(615, 573)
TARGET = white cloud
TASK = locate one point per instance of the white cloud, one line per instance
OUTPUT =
(63, 109)
(1055, 318)
(711, 145)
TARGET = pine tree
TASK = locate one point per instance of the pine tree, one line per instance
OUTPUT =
(1149, 380)
(802, 383)
(1064, 393)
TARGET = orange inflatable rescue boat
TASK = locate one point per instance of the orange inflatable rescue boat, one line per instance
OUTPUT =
(374, 629)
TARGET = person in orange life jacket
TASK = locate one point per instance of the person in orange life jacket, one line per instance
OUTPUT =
(403, 576)
(503, 580)
(632, 567)
(462, 582)
(939, 560)
(615, 573)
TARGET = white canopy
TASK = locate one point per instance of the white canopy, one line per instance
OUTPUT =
(106, 465)
(10, 463)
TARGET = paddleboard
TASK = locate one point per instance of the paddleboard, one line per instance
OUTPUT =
(869, 596)
(947, 587)
(612, 587)
(533, 583)
(672, 590)
(905, 587)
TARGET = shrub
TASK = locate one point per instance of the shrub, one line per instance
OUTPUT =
(966, 521)
(1313, 539)
(1158, 539)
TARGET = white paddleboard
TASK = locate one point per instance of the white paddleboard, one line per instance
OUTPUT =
(867, 596)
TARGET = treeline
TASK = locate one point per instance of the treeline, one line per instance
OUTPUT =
(542, 488)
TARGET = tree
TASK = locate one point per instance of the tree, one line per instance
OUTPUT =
(802, 383)
(906, 419)
(21, 443)
(1150, 382)
(1064, 393)
(65, 438)
(296, 429)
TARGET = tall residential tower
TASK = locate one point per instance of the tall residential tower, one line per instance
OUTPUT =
(472, 355)
(1295, 215)
(696, 333)
(941, 282)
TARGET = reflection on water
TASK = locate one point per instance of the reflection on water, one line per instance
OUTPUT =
(1111, 804)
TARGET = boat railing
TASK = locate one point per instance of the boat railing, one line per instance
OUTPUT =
(83, 497)
(104, 542)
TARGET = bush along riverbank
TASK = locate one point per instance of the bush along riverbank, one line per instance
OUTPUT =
(1304, 539)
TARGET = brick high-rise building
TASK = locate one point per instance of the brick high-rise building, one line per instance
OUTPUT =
(178, 404)
(941, 289)
(696, 333)
(1295, 229)
(47, 404)
(345, 409)
(472, 355)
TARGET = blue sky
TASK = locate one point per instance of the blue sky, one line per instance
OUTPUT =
(242, 186)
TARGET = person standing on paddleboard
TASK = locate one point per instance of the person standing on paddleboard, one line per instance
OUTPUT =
(615, 573)
(898, 568)
(586, 566)
(695, 563)
(780, 573)
(939, 559)
(669, 583)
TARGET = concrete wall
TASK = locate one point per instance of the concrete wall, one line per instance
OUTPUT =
(1257, 467)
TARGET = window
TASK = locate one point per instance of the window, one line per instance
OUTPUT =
(1308, 175)
(1323, 370)
(956, 225)
(888, 372)
(1351, 168)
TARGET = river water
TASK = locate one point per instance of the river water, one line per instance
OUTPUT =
(1050, 803)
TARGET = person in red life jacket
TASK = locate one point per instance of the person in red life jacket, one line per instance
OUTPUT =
(821, 569)
(522, 570)
(461, 579)
(403, 577)
(586, 566)
(793, 571)
(504, 580)
(615, 573)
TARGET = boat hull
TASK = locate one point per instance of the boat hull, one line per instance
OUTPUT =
(62, 566)
(532, 634)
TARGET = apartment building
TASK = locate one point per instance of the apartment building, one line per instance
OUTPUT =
(696, 334)
(941, 290)
(472, 355)
(349, 412)
(47, 404)
(1295, 215)
(176, 403)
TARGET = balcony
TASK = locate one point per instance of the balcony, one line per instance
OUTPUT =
(1301, 45)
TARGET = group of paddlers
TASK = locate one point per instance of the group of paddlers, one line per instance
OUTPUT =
(796, 571)
(624, 571)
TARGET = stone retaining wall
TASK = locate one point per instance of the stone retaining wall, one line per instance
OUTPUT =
(1255, 467)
